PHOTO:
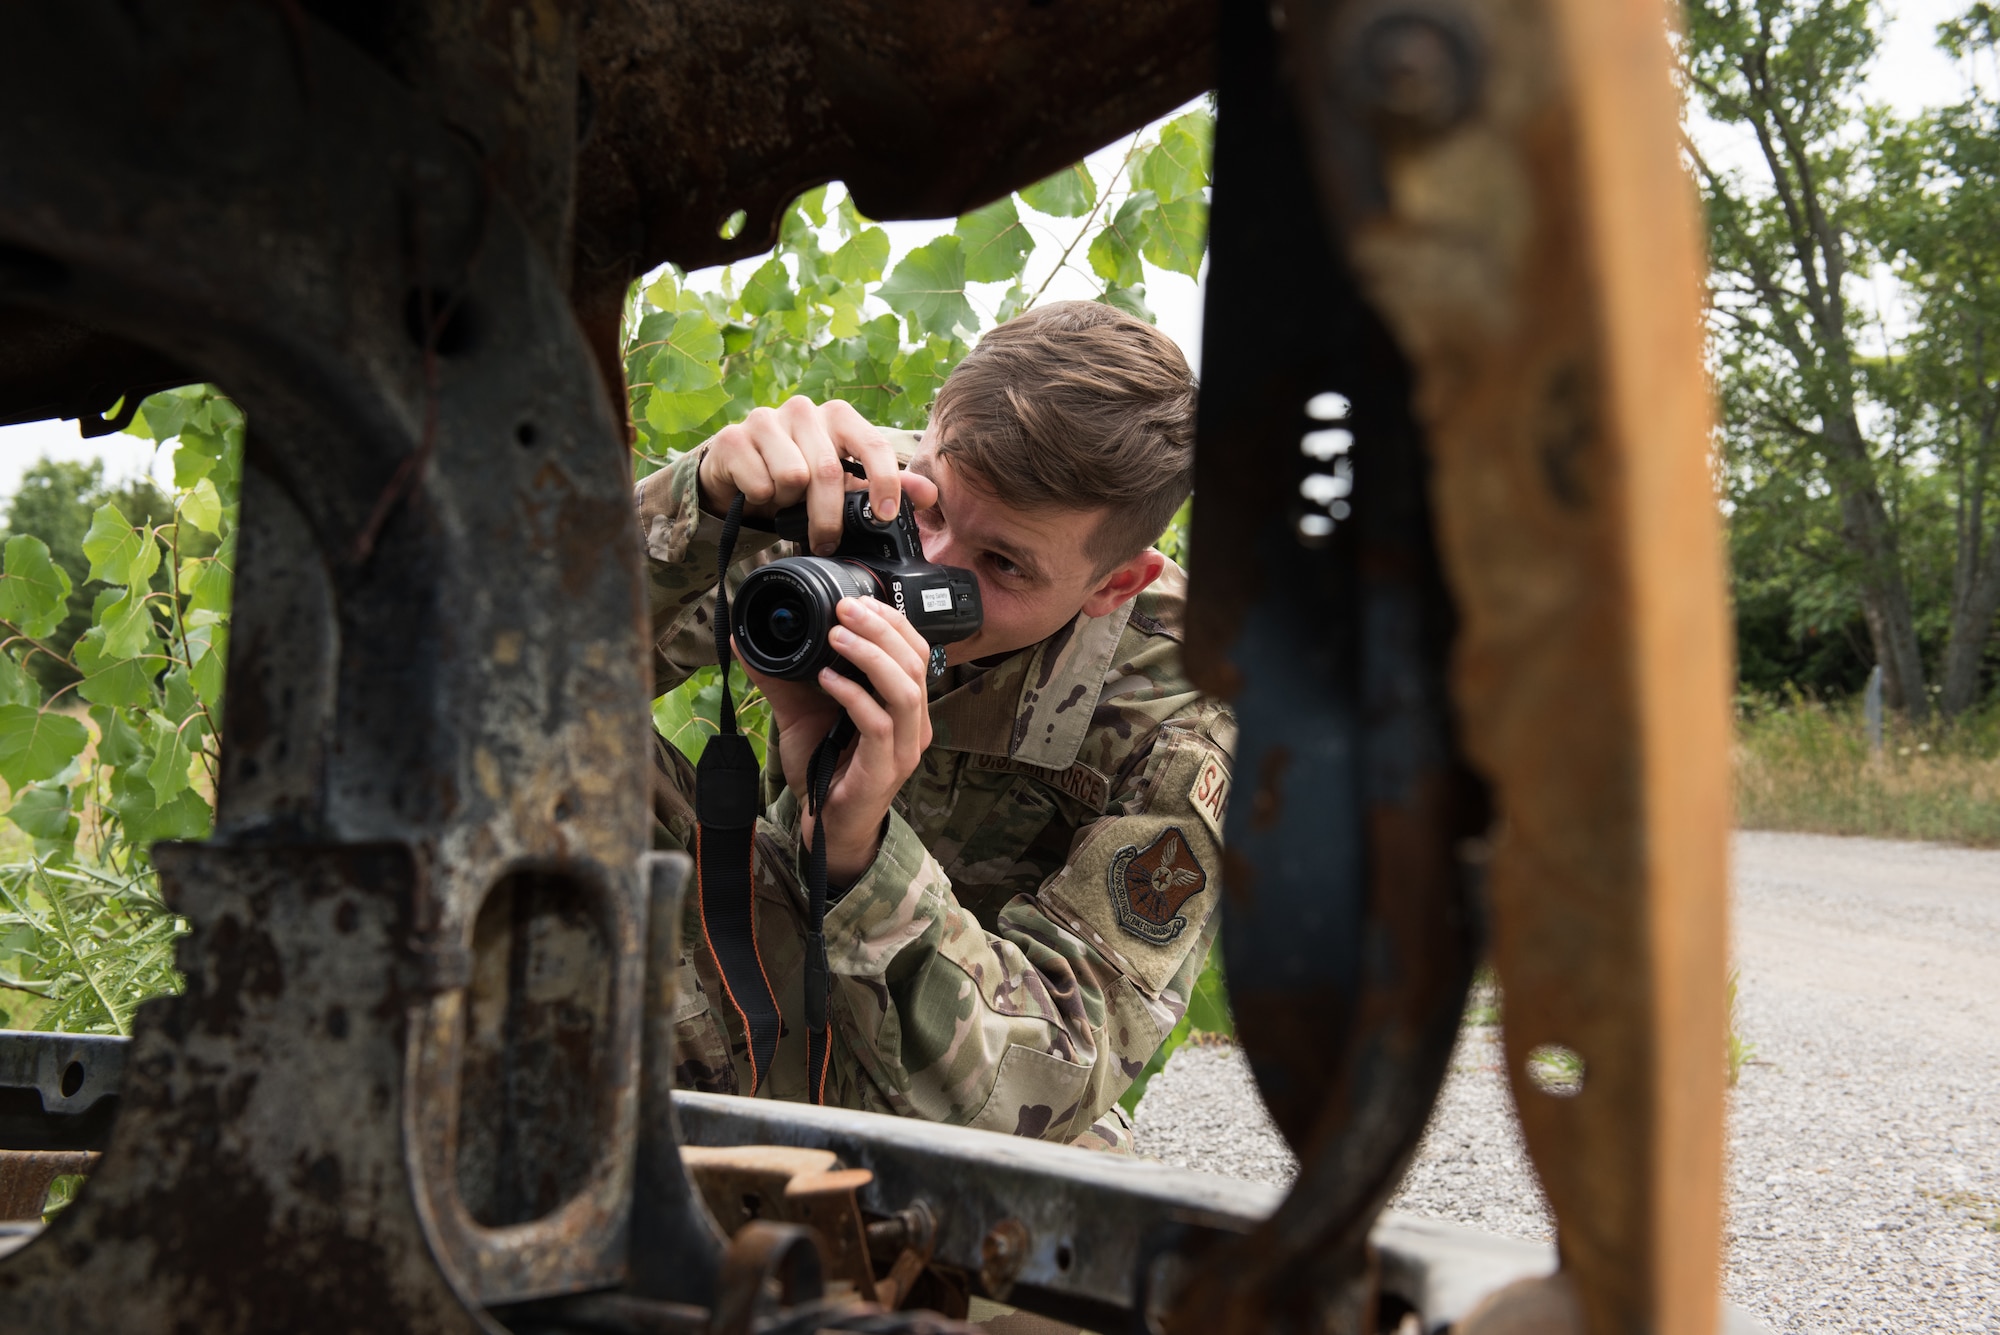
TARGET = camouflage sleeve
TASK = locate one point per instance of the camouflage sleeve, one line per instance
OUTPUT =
(680, 539)
(1036, 1029)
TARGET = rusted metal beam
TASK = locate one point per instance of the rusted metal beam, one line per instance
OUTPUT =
(1506, 179)
(26, 1175)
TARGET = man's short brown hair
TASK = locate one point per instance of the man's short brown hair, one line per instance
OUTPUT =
(1073, 406)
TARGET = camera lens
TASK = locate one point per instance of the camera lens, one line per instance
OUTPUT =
(782, 613)
(786, 621)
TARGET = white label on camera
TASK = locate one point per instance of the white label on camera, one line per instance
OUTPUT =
(937, 600)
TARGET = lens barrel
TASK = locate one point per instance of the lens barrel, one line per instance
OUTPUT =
(783, 612)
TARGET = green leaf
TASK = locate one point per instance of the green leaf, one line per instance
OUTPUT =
(861, 257)
(37, 744)
(1176, 234)
(202, 507)
(927, 287)
(1177, 167)
(205, 583)
(859, 370)
(169, 771)
(1070, 193)
(118, 742)
(128, 626)
(922, 371)
(34, 591)
(769, 289)
(15, 686)
(672, 414)
(109, 679)
(675, 717)
(186, 817)
(1131, 300)
(813, 204)
(44, 813)
(1208, 1008)
(994, 243)
(1114, 252)
(690, 355)
(166, 413)
(111, 544)
(210, 647)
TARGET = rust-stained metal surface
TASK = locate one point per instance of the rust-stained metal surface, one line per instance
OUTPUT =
(26, 1175)
(1469, 613)
(1529, 238)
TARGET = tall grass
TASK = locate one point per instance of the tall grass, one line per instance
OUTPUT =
(1805, 764)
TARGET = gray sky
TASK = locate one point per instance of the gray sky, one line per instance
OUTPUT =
(1910, 74)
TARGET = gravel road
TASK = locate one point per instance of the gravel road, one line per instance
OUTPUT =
(1864, 1138)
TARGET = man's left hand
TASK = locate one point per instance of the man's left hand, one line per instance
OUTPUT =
(894, 723)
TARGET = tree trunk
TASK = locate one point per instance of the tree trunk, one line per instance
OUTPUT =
(1885, 598)
(1971, 625)
(1975, 578)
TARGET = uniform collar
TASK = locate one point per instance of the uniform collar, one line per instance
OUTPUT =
(1036, 705)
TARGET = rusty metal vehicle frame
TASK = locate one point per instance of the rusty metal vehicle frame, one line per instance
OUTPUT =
(418, 1079)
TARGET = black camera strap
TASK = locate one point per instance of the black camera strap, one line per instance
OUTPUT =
(727, 793)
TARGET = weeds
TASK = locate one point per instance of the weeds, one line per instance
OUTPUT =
(1741, 1051)
(86, 942)
(1985, 1210)
(1482, 1000)
(1802, 764)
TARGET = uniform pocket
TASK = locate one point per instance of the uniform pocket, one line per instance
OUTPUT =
(991, 863)
(1035, 1094)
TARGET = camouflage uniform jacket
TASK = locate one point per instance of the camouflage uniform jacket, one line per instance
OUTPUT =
(1045, 892)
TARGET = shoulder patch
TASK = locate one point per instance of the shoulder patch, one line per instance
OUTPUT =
(1210, 795)
(1149, 886)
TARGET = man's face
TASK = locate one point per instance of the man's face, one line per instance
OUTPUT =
(1034, 574)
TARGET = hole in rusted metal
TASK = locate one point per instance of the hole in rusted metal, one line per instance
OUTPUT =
(1556, 1070)
(1064, 1257)
(536, 1088)
(1328, 407)
(525, 435)
(72, 1079)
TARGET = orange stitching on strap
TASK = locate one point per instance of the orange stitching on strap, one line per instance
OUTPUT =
(701, 911)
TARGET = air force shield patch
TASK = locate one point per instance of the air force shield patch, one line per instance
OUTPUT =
(1149, 885)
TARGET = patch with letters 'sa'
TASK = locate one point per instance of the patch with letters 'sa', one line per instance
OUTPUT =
(1149, 885)
(1210, 795)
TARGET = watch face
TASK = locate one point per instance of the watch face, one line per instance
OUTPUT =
(937, 661)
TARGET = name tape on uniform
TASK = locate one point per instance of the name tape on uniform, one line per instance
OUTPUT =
(1210, 795)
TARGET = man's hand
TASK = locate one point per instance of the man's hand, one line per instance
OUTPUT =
(894, 725)
(779, 456)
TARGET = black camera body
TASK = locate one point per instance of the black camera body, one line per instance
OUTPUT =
(783, 611)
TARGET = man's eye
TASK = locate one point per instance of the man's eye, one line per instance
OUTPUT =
(1004, 566)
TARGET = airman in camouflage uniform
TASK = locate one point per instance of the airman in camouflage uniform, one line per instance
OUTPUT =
(1030, 847)
(1045, 894)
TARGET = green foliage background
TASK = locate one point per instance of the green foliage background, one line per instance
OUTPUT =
(114, 602)
(111, 676)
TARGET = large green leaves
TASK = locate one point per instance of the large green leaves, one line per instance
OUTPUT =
(927, 288)
(685, 372)
(37, 743)
(1114, 252)
(1177, 166)
(994, 243)
(34, 591)
(1176, 235)
(1070, 193)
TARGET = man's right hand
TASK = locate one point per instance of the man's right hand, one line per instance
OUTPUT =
(779, 456)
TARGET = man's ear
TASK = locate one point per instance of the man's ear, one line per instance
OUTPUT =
(1124, 583)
